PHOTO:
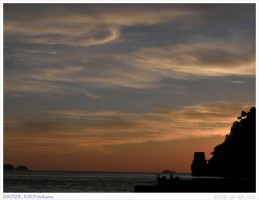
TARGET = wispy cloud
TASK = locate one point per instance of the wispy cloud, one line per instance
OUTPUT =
(84, 25)
(84, 80)
(145, 68)
(109, 127)
(82, 14)
(235, 81)
(62, 46)
(96, 36)
(198, 59)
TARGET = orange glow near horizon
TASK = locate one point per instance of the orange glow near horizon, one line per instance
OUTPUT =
(124, 87)
(120, 141)
(148, 157)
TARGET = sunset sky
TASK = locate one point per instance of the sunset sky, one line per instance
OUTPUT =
(124, 87)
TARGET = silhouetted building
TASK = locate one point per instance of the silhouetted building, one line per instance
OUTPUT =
(199, 164)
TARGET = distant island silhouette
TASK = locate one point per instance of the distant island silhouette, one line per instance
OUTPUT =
(10, 167)
(169, 171)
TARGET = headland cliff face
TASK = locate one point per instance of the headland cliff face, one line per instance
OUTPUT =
(236, 156)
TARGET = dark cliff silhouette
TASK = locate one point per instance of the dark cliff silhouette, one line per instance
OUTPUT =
(233, 162)
(236, 156)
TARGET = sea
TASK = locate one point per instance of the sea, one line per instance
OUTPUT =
(76, 182)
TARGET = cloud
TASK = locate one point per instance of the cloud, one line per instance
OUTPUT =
(96, 36)
(84, 25)
(56, 47)
(142, 69)
(36, 15)
(111, 14)
(197, 59)
(92, 129)
(235, 81)
(80, 36)
(63, 71)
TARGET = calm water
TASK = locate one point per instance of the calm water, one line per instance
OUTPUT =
(53, 182)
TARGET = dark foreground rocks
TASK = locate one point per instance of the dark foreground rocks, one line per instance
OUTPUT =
(201, 186)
